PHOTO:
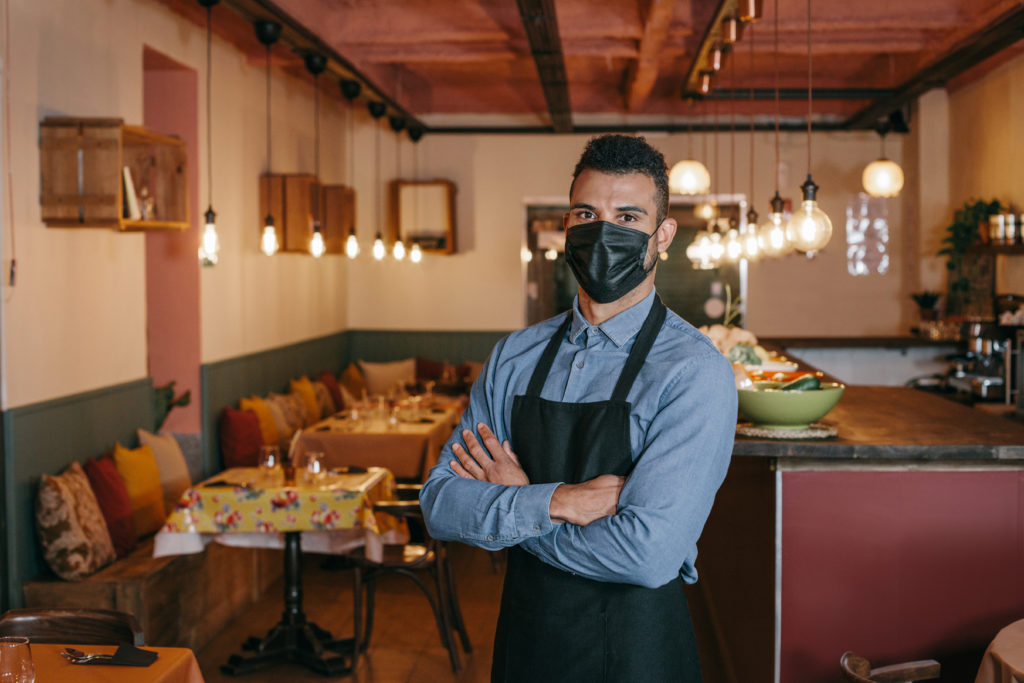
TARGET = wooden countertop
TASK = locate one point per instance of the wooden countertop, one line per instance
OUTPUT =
(900, 342)
(900, 423)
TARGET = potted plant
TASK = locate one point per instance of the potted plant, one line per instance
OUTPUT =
(926, 303)
(962, 234)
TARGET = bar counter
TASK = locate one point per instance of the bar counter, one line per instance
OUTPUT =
(900, 539)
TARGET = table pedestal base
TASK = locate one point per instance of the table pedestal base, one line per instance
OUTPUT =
(294, 639)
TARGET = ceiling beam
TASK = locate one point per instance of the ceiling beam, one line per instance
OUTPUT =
(997, 35)
(541, 26)
(697, 127)
(801, 94)
(643, 71)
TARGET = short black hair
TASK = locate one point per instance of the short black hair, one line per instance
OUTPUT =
(622, 154)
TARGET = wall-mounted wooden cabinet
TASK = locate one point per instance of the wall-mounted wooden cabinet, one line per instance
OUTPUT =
(292, 200)
(99, 172)
(423, 212)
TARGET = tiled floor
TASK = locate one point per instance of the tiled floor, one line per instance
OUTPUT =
(405, 646)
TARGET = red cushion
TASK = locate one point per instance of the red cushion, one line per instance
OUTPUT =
(109, 489)
(428, 369)
(331, 383)
(240, 438)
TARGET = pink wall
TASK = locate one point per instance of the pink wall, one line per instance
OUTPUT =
(897, 566)
(171, 106)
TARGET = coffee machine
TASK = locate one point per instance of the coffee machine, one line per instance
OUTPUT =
(988, 369)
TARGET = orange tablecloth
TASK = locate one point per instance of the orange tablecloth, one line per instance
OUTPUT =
(1004, 659)
(409, 447)
(174, 665)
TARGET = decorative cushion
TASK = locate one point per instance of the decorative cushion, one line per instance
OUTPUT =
(112, 497)
(332, 386)
(141, 477)
(191, 446)
(279, 420)
(268, 428)
(384, 377)
(352, 380)
(303, 388)
(70, 525)
(323, 399)
(470, 370)
(428, 369)
(240, 438)
(294, 411)
(174, 478)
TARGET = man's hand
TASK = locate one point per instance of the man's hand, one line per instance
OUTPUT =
(491, 461)
(587, 501)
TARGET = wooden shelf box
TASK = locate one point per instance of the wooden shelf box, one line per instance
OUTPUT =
(82, 162)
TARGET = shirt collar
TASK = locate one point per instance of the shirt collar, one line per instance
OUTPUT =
(620, 328)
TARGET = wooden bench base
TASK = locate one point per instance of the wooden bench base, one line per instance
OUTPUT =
(179, 600)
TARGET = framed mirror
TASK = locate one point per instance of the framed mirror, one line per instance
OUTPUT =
(423, 212)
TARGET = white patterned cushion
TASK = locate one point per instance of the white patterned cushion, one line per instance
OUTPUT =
(70, 525)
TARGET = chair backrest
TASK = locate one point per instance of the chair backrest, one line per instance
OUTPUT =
(858, 670)
(72, 626)
(855, 668)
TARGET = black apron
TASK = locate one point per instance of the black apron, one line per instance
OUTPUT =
(556, 625)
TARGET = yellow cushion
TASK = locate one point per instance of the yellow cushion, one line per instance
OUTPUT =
(353, 381)
(304, 388)
(141, 477)
(268, 428)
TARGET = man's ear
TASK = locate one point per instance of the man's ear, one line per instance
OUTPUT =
(565, 221)
(665, 232)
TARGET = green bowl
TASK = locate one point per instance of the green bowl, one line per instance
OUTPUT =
(765, 406)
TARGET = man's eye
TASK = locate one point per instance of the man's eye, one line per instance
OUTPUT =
(628, 218)
(584, 214)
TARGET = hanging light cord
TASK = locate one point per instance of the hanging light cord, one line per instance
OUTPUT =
(732, 124)
(377, 184)
(750, 34)
(316, 124)
(209, 134)
(269, 165)
(809, 74)
(778, 108)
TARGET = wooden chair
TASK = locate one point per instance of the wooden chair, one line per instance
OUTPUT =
(856, 668)
(408, 560)
(72, 626)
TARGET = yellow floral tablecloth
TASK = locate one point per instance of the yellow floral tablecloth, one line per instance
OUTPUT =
(243, 506)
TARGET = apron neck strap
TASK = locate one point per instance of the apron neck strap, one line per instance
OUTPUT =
(641, 346)
(540, 373)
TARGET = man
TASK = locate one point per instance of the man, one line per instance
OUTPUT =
(592, 448)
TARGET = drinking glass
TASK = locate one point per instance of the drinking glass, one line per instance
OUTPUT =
(270, 461)
(314, 466)
(16, 661)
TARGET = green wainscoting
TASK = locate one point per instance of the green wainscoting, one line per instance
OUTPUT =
(454, 347)
(44, 438)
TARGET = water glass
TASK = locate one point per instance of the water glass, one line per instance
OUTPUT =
(314, 466)
(16, 661)
(270, 461)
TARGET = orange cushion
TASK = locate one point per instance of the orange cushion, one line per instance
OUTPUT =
(304, 388)
(268, 428)
(352, 381)
(141, 477)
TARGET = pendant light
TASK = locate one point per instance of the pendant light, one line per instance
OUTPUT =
(771, 235)
(689, 176)
(809, 228)
(415, 133)
(209, 245)
(397, 123)
(315, 64)
(750, 10)
(350, 91)
(884, 177)
(751, 248)
(267, 32)
(377, 110)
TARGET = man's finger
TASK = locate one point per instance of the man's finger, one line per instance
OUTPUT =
(470, 465)
(460, 470)
(490, 441)
(507, 447)
(483, 458)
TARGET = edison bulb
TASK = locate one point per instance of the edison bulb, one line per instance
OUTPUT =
(398, 251)
(751, 246)
(268, 243)
(316, 244)
(716, 249)
(378, 248)
(882, 178)
(689, 177)
(663, 256)
(209, 247)
(526, 255)
(706, 211)
(771, 235)
(809, 228)
(551, 254)
(733, 246)
(415, 253)
(351, 245)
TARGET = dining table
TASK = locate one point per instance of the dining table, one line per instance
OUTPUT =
(1004, 658)
(331, 512)
(172, 665)
(406, 437)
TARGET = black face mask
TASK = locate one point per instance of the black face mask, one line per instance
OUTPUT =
(607, 259)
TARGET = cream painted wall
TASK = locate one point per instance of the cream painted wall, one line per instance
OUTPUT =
(481, 287)
(75, 320)
(987, 150)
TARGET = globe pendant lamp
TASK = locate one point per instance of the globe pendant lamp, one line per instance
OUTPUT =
(377, 110)
(689, 177)
(884, 177)
(751, 245)
(416, 254)
(809, 228)
(267, 32)
(771, 235)
(397, 123)
(316, 64)
(209, 245)
(350, 91)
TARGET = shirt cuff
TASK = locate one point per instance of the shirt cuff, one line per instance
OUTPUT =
(532, 510)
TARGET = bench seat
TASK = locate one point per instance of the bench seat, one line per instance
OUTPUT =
(179, 600)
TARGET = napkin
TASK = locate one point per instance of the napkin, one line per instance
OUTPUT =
(128, 655)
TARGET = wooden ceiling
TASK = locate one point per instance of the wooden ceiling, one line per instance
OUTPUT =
(585, 65)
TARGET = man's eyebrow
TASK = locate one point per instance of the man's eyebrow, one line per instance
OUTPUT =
(631, 209)
(582, 205)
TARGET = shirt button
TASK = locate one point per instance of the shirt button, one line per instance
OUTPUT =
(536, 527)
(490, 537)
(579, 364)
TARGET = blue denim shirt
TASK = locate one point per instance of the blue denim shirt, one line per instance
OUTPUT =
(682, 424)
